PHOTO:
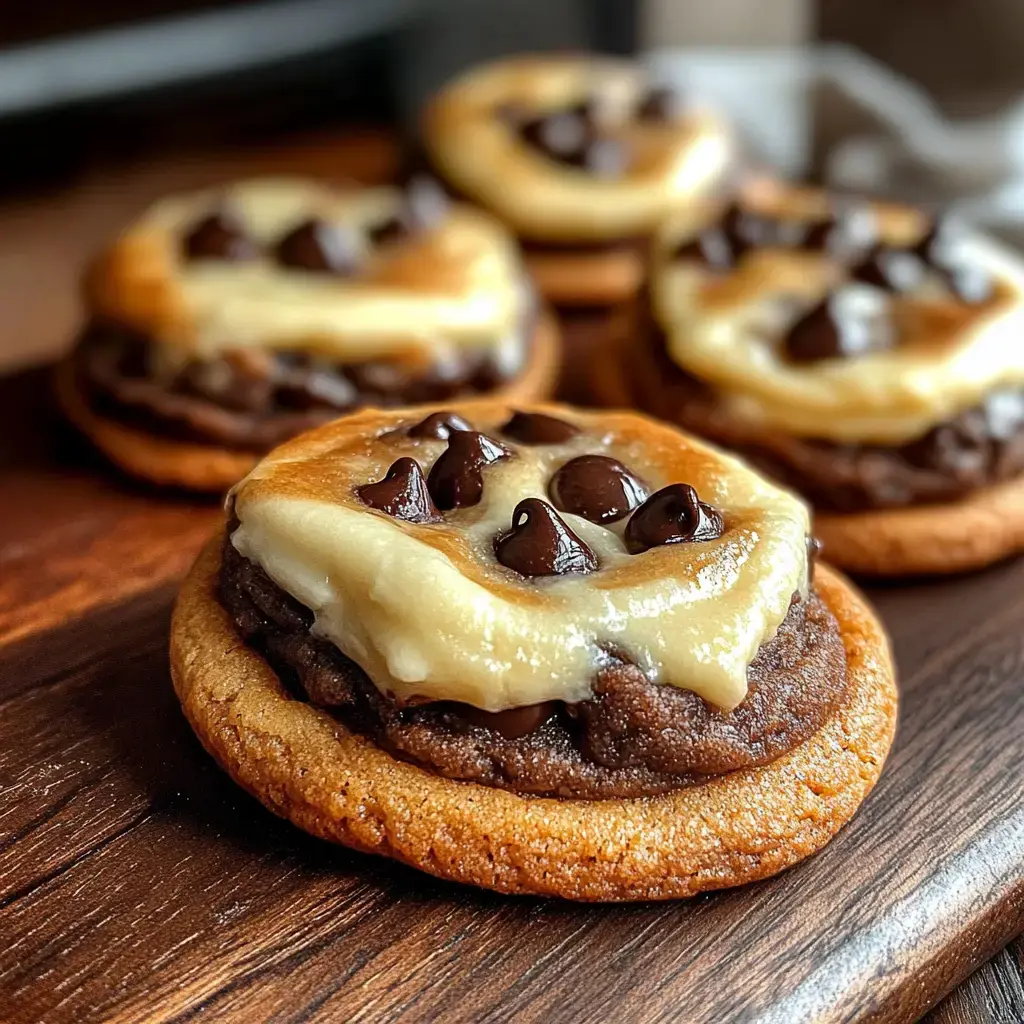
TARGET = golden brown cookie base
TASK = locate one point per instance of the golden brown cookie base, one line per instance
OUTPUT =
(305, 766)
(599, 278)
(200, 467)
(982, 529)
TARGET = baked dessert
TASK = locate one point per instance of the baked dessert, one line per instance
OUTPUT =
(582, 157)
(863, 354)
(223, 322)
(536, 650)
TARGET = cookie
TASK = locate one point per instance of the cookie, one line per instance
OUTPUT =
(224, 322)
(857, 352)
(545, 718)
(582, 157)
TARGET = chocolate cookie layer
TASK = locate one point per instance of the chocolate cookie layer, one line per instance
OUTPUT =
(633, 738)
(252, 399)
(980, 447)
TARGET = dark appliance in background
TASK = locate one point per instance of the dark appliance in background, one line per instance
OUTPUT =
(85, 82)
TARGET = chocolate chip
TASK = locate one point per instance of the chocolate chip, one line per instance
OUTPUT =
(660, 103)
(843, 235)
(893, 270)
(320, 247)
(392, 229)
(402, 493)
(850, 322)
(536, 428)
(711, 248)
(219, 236)
(571, 137)
(597, 488)
(512, 723)
(456, 480)
(941, 249)
(439, 425)
(540, 543)
(670, 516)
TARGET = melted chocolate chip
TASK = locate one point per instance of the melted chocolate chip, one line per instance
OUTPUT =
(894, 270)
(670, 516)
(320, 247)
(456, 479)
(710, 248)
(536, 428)
(513, 723)
(540, 543)
(660, 103)
(850, 322)
(845, 234)
(597, 488)
(571, 137)
(219, 236)
(721, 245)
(439, 426)
(402, 493)
(389, 230)
(941, 250)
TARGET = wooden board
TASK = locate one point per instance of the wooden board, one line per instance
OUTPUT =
(137, 883)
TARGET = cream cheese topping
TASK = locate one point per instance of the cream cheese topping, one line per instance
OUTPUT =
(485, 159)
(453, 287)
(428, 612)
(728, 329)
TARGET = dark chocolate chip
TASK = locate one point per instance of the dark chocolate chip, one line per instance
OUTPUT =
(536, 428)
(661, 103)
(1004, 414)
(670, 516)
(849, 323)
(894, 270)
(402, 493)
(219, 236)
(320, 247)
(456, 479)
(847, 233)
(711, 248)
(540, 543)
(513, 723)
(940, 249)
(571, 137)
(392, 229)
(439, 426)
(597, 488)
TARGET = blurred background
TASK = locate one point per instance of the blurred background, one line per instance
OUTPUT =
(106, 104)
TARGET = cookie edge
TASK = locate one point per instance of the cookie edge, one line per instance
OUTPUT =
(305, 766)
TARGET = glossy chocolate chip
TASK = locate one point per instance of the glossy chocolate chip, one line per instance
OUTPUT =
(426, 203)
(571, 137)
(391, 229)
(849, 323)
(941, 249)
(513, 723)
(597, 488)
(845, 234)
(710, 248)
(893, 270)
(320, 247)
(219, 236)
(536, 428)
(402, 493)
(721, 245)
(540, 543)
(671, 516)
(456, 479)
(439, 426)
(661, 103)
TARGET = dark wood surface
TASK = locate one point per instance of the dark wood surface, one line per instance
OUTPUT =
(137, 883)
